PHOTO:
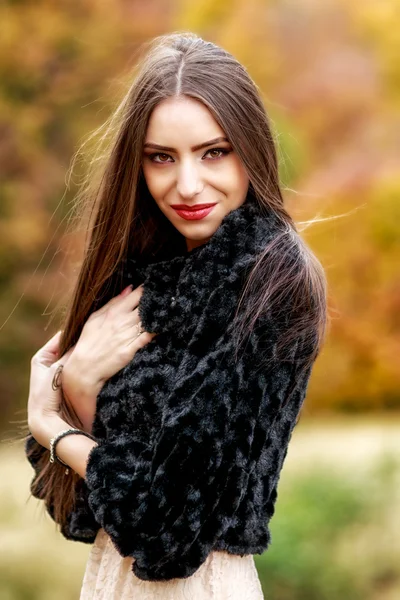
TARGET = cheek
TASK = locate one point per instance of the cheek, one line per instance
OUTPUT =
(236, 175)
(156, 180)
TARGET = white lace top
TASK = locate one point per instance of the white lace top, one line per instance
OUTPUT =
(223, 576)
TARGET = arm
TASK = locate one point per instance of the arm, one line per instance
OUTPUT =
(81, 397)
(167, 503)
(44, 404)
(71, 449)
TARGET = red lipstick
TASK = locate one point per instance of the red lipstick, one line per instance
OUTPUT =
(193, 213)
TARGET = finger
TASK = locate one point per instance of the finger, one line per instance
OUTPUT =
(131, 301)
(64, 358)
(148, 336)
(113, 301)
(49, 350)
(142, 340)
(44, 357)
(126, 302)
(56, 364)
(53, 343)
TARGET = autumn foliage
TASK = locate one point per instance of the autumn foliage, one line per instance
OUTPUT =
(330, 77)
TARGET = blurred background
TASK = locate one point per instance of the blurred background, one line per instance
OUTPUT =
(329, 73)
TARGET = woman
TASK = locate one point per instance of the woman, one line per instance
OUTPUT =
(182, 391)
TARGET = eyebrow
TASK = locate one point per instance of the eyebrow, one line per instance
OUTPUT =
(193, 148)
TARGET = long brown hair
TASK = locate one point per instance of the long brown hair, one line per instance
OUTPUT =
(123, 218)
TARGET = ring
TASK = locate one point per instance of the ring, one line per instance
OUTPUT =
(139, 328)
(56, 383)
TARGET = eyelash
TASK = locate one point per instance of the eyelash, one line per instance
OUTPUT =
(224, 152)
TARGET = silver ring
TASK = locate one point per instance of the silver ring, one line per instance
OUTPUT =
(56, 383)
(140, 329)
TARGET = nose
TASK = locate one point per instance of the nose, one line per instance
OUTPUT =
(189, 181)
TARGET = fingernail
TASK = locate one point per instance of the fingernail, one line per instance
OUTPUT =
(127, 290)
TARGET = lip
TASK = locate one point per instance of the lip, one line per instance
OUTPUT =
(193, 213)
(195, 207)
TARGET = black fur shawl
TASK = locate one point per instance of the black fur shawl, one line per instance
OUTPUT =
(190, 443)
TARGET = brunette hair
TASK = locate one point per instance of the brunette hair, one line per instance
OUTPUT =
(123, 218)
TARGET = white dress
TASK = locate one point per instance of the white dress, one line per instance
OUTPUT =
(223, 576)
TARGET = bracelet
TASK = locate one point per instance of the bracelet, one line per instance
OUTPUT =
(54, 441)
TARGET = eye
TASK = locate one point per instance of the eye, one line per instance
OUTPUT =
(222, 152)
(153, 156)
(162, 158)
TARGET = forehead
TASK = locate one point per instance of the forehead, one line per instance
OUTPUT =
(181, 120)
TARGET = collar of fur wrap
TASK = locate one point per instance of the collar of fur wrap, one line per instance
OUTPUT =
(167, 302)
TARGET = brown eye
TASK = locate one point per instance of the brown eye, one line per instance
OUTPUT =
(157, 155)
(218, 152)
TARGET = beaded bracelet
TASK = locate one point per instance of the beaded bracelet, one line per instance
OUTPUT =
(54, 441)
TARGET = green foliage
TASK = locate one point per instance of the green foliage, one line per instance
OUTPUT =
(317, 516)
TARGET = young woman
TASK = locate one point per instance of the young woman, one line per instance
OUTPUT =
(183, 390)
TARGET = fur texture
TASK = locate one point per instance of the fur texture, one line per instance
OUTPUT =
(191, 443)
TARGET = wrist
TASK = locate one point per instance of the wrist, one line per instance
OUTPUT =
(78, 381)
(44, 426)
(80, 394)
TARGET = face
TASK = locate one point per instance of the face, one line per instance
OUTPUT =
(187, 160)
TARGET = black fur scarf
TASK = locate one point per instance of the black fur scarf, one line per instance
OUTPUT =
(191, 443)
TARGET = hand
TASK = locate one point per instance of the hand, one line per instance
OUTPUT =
(108, 342)
(43, 400)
